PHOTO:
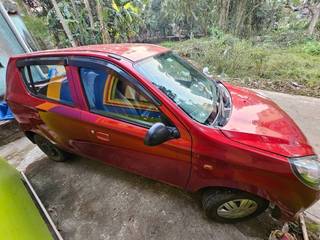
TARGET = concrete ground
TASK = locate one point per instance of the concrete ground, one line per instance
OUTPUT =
(89, 200)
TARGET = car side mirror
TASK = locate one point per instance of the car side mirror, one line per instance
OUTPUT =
(160, 133)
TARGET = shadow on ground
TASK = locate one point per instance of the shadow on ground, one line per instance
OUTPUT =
(90, 200)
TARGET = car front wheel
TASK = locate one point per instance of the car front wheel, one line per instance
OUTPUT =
(230, 206)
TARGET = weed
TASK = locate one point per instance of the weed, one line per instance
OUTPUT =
(236, 58)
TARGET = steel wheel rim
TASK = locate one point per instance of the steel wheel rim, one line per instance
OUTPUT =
(50, 150)
(238, 208)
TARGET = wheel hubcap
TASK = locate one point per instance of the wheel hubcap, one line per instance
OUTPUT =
(238, 208)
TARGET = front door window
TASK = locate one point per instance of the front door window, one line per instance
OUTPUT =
(111, 95)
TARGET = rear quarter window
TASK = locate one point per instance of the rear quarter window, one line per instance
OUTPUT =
(48, 81)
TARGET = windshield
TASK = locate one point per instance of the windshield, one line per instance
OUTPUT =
(192, 91)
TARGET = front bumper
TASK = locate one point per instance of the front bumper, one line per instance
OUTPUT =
(291, 209)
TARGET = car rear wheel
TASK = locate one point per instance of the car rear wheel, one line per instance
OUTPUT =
(52, 151)
(230, 206)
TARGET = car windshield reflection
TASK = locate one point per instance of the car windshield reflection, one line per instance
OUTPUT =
(192, 91)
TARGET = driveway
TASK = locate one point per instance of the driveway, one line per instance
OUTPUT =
(89, 200)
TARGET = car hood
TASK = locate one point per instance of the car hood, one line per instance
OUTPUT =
(258, 122)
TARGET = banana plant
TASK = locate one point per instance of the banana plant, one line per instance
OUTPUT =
(76, 18)
(126, 20)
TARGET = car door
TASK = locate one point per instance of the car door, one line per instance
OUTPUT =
(49, 103)
(120, 112)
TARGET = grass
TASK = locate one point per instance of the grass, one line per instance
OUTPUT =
(294, 69)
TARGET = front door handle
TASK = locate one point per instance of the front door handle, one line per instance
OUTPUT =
(103, 136)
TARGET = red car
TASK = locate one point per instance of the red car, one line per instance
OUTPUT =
(142, 108)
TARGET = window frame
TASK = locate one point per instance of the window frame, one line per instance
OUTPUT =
(38, 61)
(104, 65)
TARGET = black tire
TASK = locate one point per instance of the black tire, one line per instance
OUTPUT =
(53, 152)
(214, 202)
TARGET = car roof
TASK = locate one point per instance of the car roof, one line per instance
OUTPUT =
(131, 51)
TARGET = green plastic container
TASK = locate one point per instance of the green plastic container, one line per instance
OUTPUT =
(20, 219)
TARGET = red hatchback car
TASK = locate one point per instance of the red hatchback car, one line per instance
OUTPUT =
(142, 108)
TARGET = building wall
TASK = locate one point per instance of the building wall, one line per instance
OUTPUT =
(9, 44)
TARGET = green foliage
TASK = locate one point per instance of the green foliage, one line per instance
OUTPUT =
(132, 20)
(286, 38)
(179, 18)
(78, 23)
(126, 19)
(39, 29)
(215, 32)
(266, 41)
(242, 18)
(122, 18)
(290, 30)
(224, 55)
(312, 48)
(231, 57)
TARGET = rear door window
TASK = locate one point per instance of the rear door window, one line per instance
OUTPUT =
(48, 81)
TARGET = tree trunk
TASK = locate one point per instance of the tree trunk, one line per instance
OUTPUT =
(315, 13)
(27, 8)
(224, 6)
(205, 24)
(104, 32)
(63, 23)
(87, 4)
(73, 4)
(240, 15)
(81, 39)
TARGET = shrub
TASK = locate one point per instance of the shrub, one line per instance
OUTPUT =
(312, 48)
(236, 58)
